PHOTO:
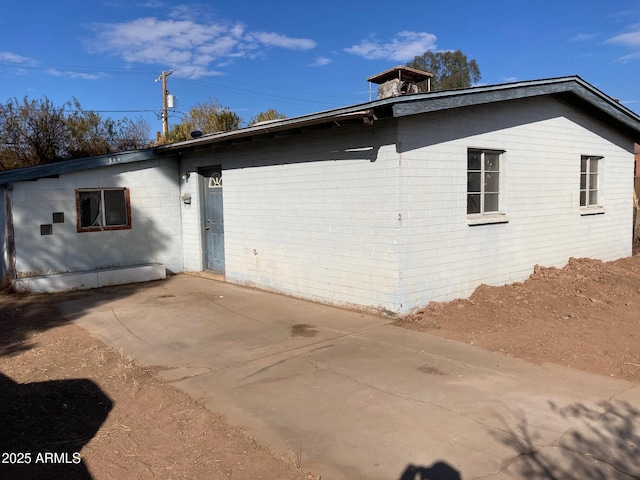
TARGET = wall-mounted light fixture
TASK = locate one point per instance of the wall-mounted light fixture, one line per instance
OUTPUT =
(186, 199)
(185, 176)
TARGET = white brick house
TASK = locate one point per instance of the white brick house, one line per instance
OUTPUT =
(386, 205)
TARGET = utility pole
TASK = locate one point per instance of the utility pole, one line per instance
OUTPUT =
(165, 114)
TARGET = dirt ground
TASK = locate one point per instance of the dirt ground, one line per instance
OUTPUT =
(82, 410)
(65, 392)
(585, 316)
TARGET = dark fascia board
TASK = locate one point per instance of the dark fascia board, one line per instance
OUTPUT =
(277, 126)
(572, 86)
(67, 166)
(572, 90)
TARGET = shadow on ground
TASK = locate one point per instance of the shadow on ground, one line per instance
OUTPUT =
(44, 425)
(437, 471)
(24, 314)
(604, 443)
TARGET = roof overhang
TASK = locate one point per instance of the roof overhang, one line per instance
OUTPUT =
(335, 117)
(572, 90)
(57, 168)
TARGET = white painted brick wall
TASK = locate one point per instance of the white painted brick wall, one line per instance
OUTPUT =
(191, 215)
(154, 236)
(318, 219)
(444, 258)
(320, 229)
(305, 217)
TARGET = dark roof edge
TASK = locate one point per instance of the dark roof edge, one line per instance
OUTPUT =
(429, 102)
(67, 166)
(324, 116)
(570, 87)
(345, 113)
(573, 85)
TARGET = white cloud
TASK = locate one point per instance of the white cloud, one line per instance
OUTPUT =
(631, 39)
(277, 40)
(321, 62)
(16, 64)
(9, 57)
(81, 75)
(187, 46)
(152, 4)
(403, 47)
(622, 14)
(582, 37)
(629, 58)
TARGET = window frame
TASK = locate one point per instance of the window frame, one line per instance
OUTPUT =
(588, 175)
(483, 213)
(103, 228)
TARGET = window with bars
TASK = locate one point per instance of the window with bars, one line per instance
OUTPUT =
(103, 209)
(589, 181)
(483, 181)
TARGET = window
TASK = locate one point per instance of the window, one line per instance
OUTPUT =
(589, 180)
(105, 209)
(483, 181)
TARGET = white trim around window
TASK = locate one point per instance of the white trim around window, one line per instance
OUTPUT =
(590, 185)
(484, 186)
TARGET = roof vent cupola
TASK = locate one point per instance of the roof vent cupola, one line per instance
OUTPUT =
(400, 80)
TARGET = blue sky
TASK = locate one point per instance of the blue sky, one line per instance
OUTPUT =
(298, 57)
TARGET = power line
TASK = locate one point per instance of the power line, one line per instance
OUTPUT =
(219, 84)
(238, 82)
(247, 89)
(77, 68)
(283, 98)
(90, 110)
(110, 111)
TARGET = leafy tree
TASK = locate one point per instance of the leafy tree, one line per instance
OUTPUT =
(208, 117)
(270, 114)
(35, 132)
(450, 70)
(32, 132)
(179, 132)
(127, 134)
(90, 135)
(85, 137)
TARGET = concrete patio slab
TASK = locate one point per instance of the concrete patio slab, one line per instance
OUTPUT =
(352, 396)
